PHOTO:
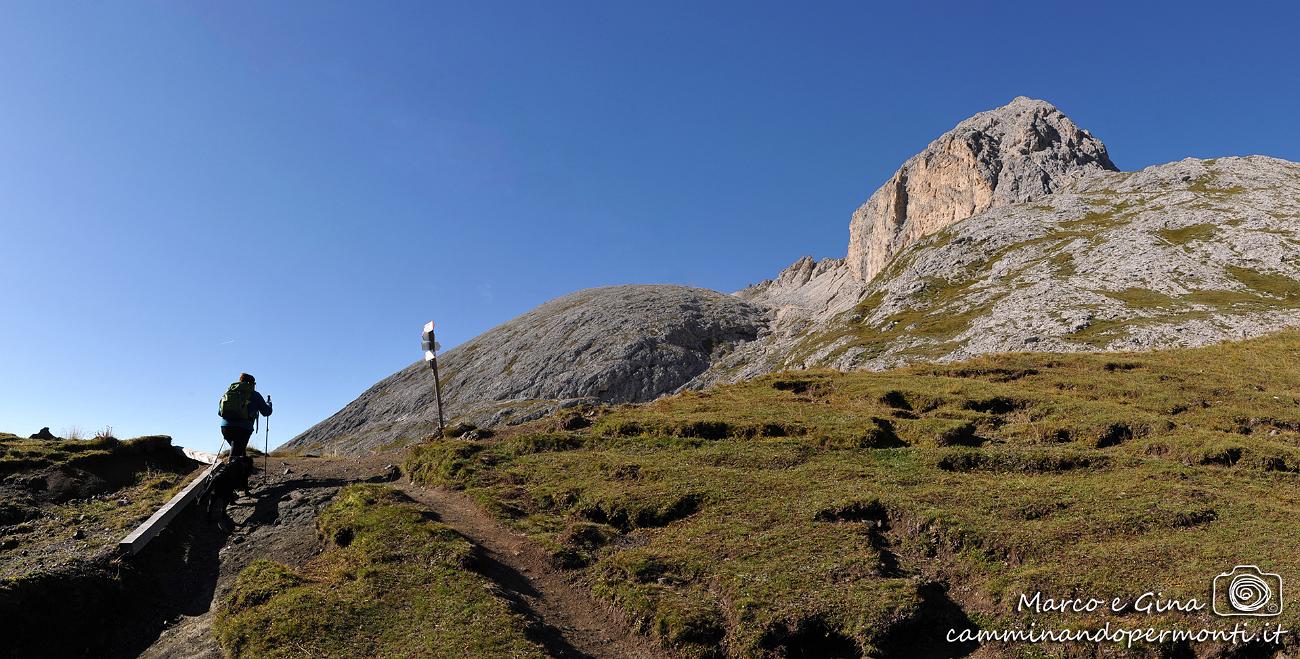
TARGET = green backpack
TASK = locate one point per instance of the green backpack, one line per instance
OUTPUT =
(234, 405)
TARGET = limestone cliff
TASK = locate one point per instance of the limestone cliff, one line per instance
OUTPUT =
(1176, 255)
(1018, 152)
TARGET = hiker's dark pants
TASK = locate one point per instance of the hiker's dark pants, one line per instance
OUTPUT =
(238, 438)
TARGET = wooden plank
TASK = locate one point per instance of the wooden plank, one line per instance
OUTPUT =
(132, 544)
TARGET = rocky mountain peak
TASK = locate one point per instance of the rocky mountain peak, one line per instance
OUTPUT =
(618, 344)
(1019, 152)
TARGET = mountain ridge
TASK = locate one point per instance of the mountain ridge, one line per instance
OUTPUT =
(1089, 249)
(628, 343)
(1013, 231)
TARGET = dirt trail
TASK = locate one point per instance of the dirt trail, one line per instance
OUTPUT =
(279, 523)
(571, 623)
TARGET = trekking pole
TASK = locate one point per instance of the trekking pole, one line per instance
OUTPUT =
(266, 447)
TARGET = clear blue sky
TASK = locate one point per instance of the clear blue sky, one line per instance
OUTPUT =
(188, 190)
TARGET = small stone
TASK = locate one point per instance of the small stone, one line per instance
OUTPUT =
(78, 534)
(287, 471)
(123, 502)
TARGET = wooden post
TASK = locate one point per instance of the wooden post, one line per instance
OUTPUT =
(437, 390)
(430, 346)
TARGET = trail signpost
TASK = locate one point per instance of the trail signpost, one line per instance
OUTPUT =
(430, 346)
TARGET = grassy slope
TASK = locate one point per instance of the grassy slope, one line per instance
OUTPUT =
(18, 454)
(820, 508)
(390, 583)
(37, 534)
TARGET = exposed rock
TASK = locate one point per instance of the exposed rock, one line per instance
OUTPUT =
(1183, 254)
(43, 434)
(808, 289)
(1018, 152)
(1021, 151)
(617, 344)
(801, 300)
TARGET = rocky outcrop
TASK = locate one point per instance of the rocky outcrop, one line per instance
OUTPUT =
(620, 344)
(802, 299)
(1183, 254)
(1018, 152)
(807, 289)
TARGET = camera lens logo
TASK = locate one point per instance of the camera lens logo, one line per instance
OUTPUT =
(1248, 591)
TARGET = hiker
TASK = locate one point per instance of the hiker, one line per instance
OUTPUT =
(238, 411)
